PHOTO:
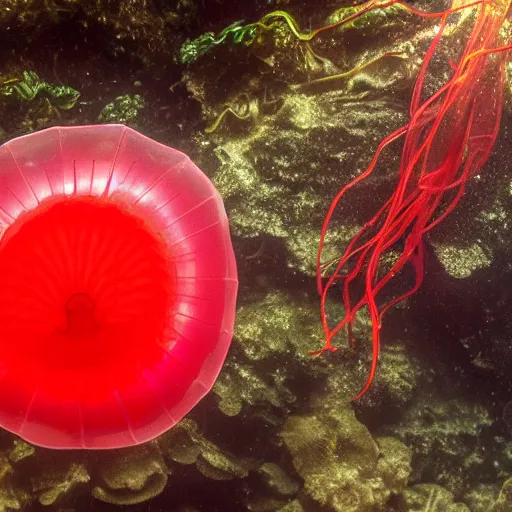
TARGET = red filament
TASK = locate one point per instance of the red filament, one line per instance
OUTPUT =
(448, 139)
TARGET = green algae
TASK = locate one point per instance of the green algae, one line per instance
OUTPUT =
(124, 109)
(30, 86)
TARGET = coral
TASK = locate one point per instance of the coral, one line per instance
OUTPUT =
(342, 466)
(185, 444)
(55, 484)
(130, 476)
(123, 109)
(445, 437)
(481, 497)
(504, 501)
(273, 330)
(11, 498)
(278, 480)
(126, 476)
(399, 376)
(397, 382)
(277, 325)
(461, 262)
(394, 463)
(293, 506)
(9, 501)
(241, 384)
(277, 490)
(430, 498)
(20, 451)
(217, 465)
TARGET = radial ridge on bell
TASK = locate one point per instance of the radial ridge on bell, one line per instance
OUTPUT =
(117, 286)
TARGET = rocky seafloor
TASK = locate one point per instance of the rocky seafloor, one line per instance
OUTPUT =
(279, 432)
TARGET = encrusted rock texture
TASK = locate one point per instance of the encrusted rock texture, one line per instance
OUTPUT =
(280, 125)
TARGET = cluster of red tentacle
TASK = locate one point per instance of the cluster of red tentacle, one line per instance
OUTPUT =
(448, 139)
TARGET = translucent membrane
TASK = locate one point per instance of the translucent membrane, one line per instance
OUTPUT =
(118, 286)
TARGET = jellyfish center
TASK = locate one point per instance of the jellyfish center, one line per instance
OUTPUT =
(85, 286)
(80, 316)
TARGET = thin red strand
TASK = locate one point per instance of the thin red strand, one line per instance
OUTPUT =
(447, 140)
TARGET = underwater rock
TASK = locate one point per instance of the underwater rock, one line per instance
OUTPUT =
(130, 476)
(342, 466)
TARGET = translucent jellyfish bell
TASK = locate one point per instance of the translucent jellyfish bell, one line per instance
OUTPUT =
(118, 286)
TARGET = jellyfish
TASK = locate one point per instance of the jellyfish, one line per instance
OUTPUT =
(447, 141)
(118, 285)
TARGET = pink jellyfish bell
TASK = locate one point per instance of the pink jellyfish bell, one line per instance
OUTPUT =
(118, 285)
